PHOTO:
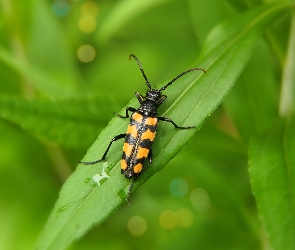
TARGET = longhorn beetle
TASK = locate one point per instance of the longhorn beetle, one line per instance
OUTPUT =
(142, 129)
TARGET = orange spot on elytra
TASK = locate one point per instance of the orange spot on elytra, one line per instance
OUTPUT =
(123, 164)
(137, 168)
(137, 117)
(142, 152)
(151, 121)
(127, 148)
(132, 130)
(148, 135)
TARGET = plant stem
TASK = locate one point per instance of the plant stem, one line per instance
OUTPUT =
(59, 161)
(288, 78)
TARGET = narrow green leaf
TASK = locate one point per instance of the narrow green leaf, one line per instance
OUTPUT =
(71, 123)
(272, 173)
(82, 203)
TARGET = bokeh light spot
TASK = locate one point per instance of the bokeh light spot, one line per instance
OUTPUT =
(137, 225)
(87, 24)
(86, 53)
(168, 219)
(89, 8)
(185, 217)
(200, 200)
(178, 187)
(61, 8)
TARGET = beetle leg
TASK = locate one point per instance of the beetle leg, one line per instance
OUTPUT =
(139, 97)
(127, 115)
(150, 157)
(121, 136)
(165, 119)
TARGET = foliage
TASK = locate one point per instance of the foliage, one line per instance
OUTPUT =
(55, 102)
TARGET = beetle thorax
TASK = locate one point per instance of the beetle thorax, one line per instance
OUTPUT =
(148, 107)
(153, 95)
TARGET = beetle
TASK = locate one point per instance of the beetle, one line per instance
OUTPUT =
(142, 129)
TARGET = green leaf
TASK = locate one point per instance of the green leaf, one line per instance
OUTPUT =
(82, 203)
(71, 123)
(272, 173)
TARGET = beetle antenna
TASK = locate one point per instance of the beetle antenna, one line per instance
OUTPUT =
(141, 69)
(181, 74)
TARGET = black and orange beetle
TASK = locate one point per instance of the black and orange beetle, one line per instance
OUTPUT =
(142, 129)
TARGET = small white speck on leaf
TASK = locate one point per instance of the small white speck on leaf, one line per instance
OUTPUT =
(98, 177)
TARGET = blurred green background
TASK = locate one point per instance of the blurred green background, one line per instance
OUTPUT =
(72, 56)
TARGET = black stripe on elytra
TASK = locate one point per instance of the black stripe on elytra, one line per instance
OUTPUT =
(140, 160)
(130, 139)
(147, 143)
(153, 128)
